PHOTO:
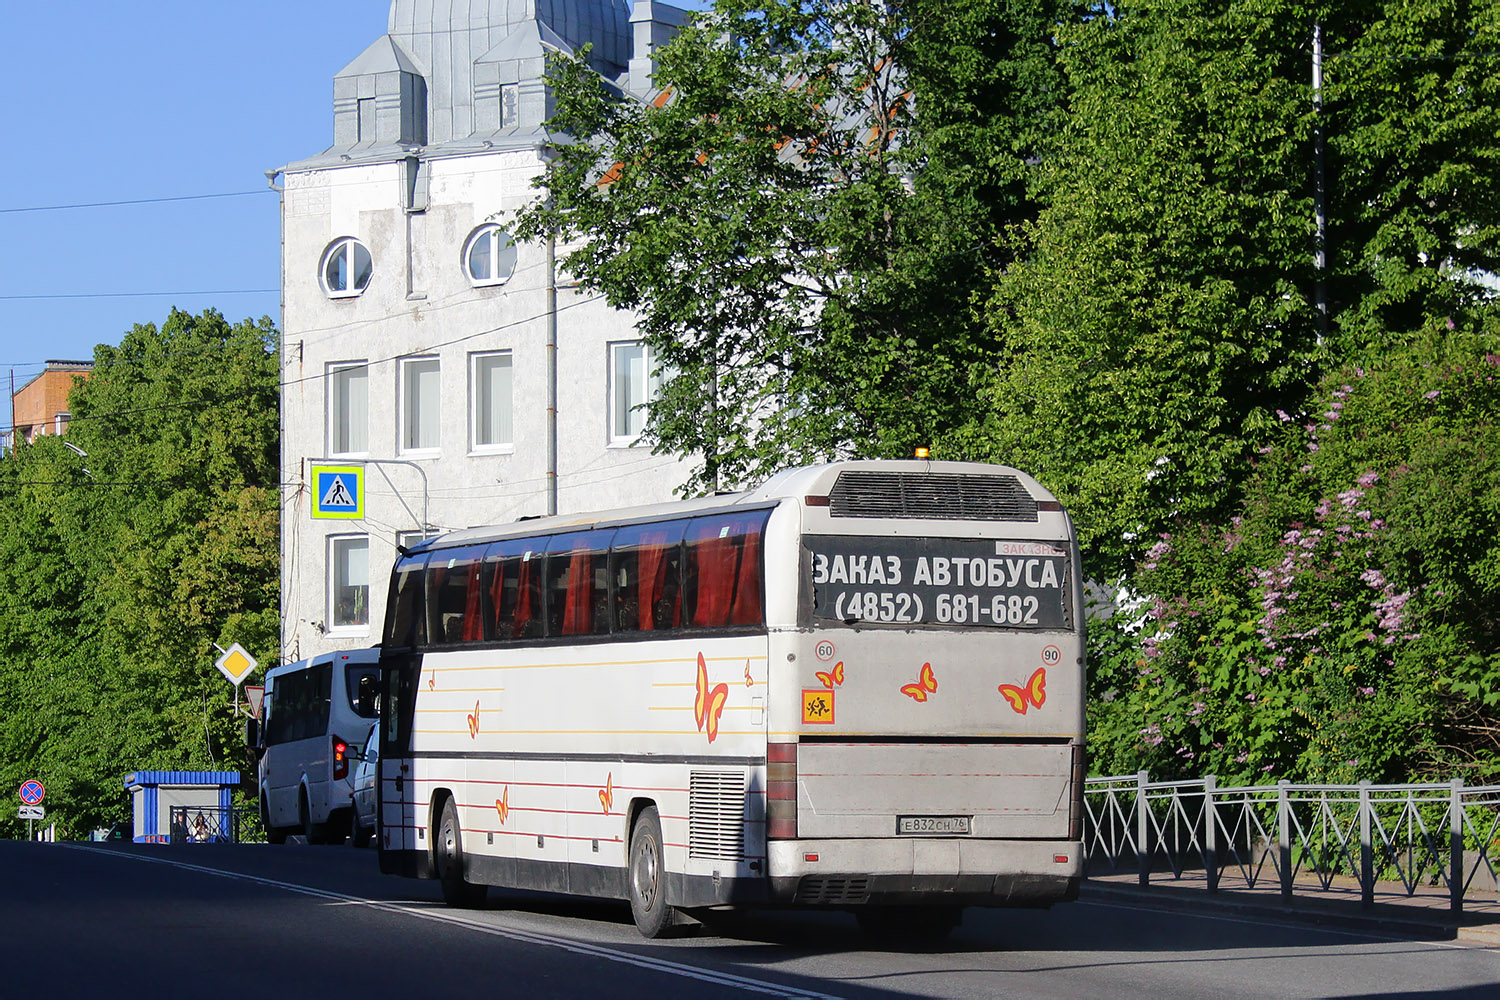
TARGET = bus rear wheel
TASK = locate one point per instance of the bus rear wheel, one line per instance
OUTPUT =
(648, 877)
(449, 850)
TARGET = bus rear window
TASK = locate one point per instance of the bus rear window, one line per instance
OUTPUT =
(722, 577)
(361, 683)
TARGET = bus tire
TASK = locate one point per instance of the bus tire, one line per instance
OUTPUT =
(448, 851)
(909, 925)
(648, 877)
(274, 834)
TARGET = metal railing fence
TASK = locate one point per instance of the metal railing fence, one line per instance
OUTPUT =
(1298, 837)
(213, 825)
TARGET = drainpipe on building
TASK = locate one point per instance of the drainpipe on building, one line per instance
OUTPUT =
(551, 374)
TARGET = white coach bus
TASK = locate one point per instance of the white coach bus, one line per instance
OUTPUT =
(859, 686)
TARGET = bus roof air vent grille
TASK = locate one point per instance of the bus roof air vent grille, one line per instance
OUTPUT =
(935, 495)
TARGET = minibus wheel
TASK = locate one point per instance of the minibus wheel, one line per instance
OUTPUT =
(274, 834)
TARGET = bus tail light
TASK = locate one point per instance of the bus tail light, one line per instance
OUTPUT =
(340, 759)
(781, 791)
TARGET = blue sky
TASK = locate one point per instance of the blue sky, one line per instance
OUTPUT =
(125, 102)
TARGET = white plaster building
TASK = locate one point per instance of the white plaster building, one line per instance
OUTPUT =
(414, 332)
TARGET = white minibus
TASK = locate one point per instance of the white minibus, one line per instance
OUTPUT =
(312, 711)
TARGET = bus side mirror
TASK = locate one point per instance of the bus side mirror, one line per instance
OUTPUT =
(252, 734)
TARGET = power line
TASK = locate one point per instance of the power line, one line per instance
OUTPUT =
(138, 295)
(416, 350)
(133, 201)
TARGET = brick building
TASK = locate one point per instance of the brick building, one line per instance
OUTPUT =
(40, 405)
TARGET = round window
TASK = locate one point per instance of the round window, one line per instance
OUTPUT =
(346, 268)
(490, 256)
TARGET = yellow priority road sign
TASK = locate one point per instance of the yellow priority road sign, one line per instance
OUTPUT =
(338, 491)
(236, 664)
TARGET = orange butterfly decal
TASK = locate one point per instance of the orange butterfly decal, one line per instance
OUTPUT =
(709, 704)
(926, 683)
(1034, 693)
(502, 805)
(474, 722)
(833, 678)
(607, 793)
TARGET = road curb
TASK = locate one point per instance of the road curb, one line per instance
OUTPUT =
(1435, 926)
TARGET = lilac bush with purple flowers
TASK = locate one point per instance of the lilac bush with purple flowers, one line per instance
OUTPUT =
(1346, 623)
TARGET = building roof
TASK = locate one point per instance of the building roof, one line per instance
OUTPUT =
(433, 84)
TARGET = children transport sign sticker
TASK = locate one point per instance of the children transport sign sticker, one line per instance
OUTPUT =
(338, 491)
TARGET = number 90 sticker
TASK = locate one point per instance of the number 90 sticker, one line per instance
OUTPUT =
(1051, 656)
(824, 650)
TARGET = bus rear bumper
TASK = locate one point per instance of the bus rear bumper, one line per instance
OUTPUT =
(917, 871)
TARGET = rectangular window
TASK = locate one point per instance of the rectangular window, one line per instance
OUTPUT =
(512, 580)
(453, 592)
(420, 388)
(722, 577)
(633, 382)
(366, 107)
(646, 566)
(348, 581)
(578, 583)
(490, 387)
(348, 409)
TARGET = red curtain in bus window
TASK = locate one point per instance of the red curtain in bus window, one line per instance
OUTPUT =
(503, 625)
(524, 613)
(473, 629)
(747, 607)
(651, 571)
(578, 608)
(715, 559)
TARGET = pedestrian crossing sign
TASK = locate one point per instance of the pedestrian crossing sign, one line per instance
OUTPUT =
(338, 491)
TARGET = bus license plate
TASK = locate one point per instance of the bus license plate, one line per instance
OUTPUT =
(932, 826)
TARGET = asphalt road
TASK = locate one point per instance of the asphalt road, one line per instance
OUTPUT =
(219, 922)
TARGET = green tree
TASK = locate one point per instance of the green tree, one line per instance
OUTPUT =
(802, 219)
(1344, 625)
(1164, 303)
(122, 567)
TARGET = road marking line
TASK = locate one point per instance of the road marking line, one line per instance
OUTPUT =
(514, 934)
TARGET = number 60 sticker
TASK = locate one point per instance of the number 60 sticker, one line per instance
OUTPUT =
(1051, 656)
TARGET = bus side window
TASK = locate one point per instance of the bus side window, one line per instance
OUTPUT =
(578, 583)
(647, 569)
(453, 596)
(512, 584)
(723, 573)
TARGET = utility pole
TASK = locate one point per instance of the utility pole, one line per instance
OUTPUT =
(1320, 191)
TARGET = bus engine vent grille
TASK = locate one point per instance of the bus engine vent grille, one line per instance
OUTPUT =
(716, 815)
(833, 890)
(931, 495)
